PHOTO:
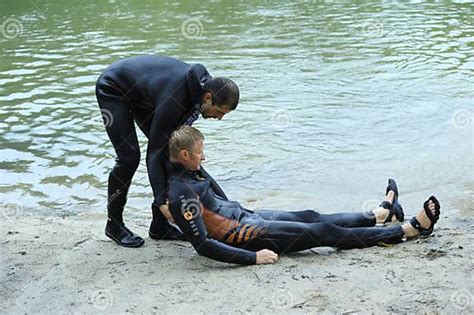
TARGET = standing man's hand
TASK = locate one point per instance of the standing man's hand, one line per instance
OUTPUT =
(266, 256)
(166, 212)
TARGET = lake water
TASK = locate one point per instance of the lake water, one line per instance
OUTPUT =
(335, 98)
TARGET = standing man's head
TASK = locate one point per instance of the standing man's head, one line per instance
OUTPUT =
(220, 96)
(186, 146)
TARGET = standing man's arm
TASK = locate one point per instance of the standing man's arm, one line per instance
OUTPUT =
(166, 119)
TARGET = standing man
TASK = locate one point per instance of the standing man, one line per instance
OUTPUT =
(159, 94)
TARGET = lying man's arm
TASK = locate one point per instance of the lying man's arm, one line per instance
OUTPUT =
(186, 211)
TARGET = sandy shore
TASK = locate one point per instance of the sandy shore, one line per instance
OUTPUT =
(67, 265)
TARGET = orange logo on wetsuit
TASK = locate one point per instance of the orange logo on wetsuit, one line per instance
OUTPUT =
(190, 208)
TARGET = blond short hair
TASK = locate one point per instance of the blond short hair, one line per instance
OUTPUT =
(183, 138)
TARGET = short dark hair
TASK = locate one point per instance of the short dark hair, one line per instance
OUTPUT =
(224, 92)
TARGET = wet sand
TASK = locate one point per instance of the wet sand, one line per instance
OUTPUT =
(66, 265)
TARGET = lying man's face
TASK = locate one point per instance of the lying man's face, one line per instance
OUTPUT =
(192, 159)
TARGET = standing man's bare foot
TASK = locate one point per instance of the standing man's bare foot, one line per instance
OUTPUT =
(424, 221)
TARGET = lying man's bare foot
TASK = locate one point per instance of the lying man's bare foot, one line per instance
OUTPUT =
(381, 214)
(390, 210)
(423, 223)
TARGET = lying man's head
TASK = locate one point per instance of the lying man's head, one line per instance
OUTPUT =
(186, 146)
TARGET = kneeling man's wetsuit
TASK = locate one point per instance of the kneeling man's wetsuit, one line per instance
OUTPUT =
(224, 230)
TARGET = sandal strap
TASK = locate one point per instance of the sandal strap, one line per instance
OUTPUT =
(394, 207)
(398, 211)
(416, 224)
(386, 205)
(389, 206)
(392, 185)
(395, 210)
(433, 218)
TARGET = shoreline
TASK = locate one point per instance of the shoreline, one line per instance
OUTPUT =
(67, 265)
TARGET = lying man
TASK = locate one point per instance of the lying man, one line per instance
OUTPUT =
(224, 230)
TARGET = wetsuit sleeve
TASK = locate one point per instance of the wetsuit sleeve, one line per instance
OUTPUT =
(166, 119)
(186, 212)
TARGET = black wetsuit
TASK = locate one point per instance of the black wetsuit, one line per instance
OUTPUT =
(159, 94)
(224, 230)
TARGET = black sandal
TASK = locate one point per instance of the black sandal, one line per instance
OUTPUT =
(434, 218)
(395, 208)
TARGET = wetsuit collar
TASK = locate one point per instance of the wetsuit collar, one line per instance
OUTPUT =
(177, 169)
(196, 76)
